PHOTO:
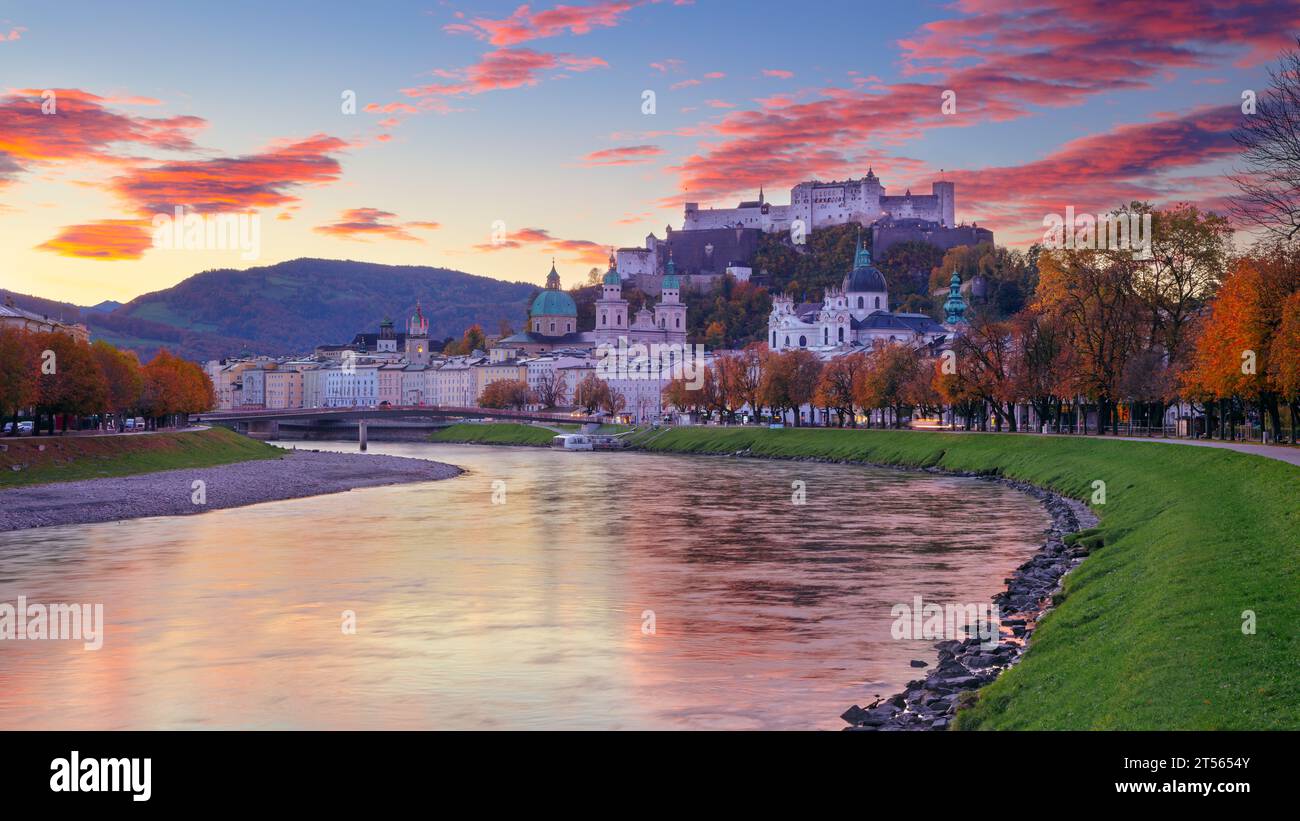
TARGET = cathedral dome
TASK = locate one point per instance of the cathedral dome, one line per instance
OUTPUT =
(554, 303)
(612, 278)
(864, 276)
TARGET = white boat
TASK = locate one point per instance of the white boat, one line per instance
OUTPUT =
(572, 441)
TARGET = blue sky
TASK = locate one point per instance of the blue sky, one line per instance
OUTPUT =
(236, 107)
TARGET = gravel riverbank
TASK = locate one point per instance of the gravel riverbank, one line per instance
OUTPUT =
(173, 492)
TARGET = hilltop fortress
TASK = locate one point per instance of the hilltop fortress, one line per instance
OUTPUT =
(714, 242)
(821, 204)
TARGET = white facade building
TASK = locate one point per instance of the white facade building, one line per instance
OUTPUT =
(857, 313)
(821, 204)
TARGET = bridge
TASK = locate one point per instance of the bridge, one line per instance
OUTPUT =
(267, 422)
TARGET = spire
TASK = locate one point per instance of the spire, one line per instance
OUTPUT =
(760, 195)
(955, 306)
(672, 266)
(553, 278)
(862, 258)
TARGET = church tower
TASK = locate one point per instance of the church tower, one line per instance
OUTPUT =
(670, 313)
(387, 342)
(611, 308)
(417, 337)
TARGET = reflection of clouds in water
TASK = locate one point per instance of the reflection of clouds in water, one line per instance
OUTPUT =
(768, 614)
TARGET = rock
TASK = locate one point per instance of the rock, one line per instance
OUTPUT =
(854, 714)
(918, 663)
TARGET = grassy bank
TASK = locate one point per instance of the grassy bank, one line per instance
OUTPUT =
(509, 433)
(496, 433)
(66, 458)
(1149, 632)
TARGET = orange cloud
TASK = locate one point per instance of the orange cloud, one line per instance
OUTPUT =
(502, 69)
(79, 128)
(624, 155)
(111, 239)
(364, 223)
(525, 24)
(578, 250)
(233, 183)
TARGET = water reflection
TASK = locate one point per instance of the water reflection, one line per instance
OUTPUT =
(527, 614)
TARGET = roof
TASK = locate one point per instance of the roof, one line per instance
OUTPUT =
(711, 250)
(864, 276)
(554, 303)
(530, 338)
(612, 278)
(909, 323)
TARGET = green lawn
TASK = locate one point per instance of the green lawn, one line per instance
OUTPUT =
(495, 433)
(1149, 634)
(66, 458)
(511, 433)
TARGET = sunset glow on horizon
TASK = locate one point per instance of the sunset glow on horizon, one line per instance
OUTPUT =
(531, 120)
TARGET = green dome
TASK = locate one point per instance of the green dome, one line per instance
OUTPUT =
(554, 303)
(612, 278)
(671, 281)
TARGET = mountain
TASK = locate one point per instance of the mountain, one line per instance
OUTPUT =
(293, 306)
(105, 307)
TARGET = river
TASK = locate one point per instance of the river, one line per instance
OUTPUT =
(540, 589)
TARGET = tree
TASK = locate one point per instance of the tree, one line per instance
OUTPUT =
(1243, 348)
(473, 340)
(590, 393)
(551, 389)
(70, 380)
(124, 378)
(1094, 294)
(1041, 352)
(611, 401)
(835, 388)
(174, 387)
(1189, 252)
(790, 381)
(506, 393)
(19, 366)
(1269, 183)
(890, 370)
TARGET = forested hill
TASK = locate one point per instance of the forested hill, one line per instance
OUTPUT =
(293, 306)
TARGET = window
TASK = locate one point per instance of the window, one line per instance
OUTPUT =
(860, 303)
(604, 320)
(679, 322)
(826, 336)
(877, 303)
(803, 341)
(773, 339)
(841, 333)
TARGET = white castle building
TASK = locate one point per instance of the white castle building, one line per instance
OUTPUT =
(821, 204)
(856, 313)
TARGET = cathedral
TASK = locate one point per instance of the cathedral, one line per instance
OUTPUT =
(553, 319)
(856, 313)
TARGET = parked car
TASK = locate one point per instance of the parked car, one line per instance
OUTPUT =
(128, 424)
(26, 428)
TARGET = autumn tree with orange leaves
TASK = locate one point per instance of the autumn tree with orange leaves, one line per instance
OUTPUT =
(1246, 348)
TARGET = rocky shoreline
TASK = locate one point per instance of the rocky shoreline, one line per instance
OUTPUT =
(297, 474)
(966, 665)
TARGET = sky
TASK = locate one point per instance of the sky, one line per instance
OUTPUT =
(491, 137)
